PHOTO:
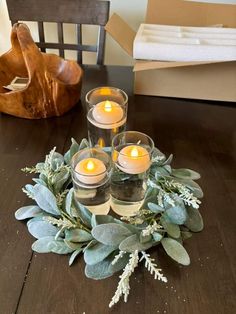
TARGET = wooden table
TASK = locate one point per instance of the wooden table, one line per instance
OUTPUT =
(201, 135)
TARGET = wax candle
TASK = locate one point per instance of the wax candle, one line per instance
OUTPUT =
(108, 112)
(90, 171)
(133, 159)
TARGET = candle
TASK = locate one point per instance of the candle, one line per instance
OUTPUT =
(108, 112)
(90, 171)
(133, 159)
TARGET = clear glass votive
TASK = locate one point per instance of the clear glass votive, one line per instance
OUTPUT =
(106, 114)
(131, 155)
(91, 169)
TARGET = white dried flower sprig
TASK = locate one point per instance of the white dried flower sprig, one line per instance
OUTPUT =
(60, 197)
(117, 257)
(152, 267)
(123, 285)
(150, 229)
(184, 193)
(62, 222)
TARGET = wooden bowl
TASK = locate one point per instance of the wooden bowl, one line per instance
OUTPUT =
(54, 84)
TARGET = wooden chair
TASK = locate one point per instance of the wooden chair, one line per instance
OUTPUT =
(64, 11)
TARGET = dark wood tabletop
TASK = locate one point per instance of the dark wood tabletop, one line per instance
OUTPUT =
(201, 135)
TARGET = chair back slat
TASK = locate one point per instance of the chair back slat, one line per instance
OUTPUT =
(60, 39)
(64, 11)
(79, 42)
(41, 34)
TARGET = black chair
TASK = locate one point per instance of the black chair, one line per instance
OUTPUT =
(64, 11)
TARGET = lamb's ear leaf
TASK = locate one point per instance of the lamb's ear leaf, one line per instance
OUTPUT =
(97, 253)
(28, 212)
(74, 255)
(176, 251)
(194, 220)
(45, 199)
(100, 270)
(110, 233)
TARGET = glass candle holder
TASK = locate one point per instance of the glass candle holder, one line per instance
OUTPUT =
(106, 114)
(91, 170)
(131, 155)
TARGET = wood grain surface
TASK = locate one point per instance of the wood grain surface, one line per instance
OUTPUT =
(201, 135)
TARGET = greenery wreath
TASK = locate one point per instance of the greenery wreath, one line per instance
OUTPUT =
(61, 225)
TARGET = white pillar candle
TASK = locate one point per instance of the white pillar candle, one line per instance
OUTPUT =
(108, 112)
(133, 159)
(90, 171)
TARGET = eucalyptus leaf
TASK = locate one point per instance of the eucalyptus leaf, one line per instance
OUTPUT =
(100, 270)
(57, 161)
(78, 235)
(186, 174)
(97, 253)
(84, 213)
(30, 189)
(74, 148)
(145, 239)
(60, 178)
(161, 172)
(60, 247)
(186, 235)
(110, 234)
(41, 228)
(73, 256)
(177, 214)
(157, 236)
(73, 245)
(168, 160)
(90, 244)
(176, 251)
(102, 219)
(83, 144)
(172, 229)
(44, 178)
(39, 181)
(69, 198)
(60, 233)
(45, 199)
(132, 243)
(28, 212)
(194, 221)
(43, 245)
(155, 208)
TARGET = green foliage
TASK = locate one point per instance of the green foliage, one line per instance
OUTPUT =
(40, 228)
(61, 225)
(97, 253)
(110, 233)
(28, 212)
(176, 251)
(45, 199)
(100, 270)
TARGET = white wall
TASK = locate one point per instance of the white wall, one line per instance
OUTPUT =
(133, 11)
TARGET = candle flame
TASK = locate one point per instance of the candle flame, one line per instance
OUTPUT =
(107, 106)
(90, 165)
(134, 152)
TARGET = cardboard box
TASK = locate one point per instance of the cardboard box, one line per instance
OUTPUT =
(197, 80)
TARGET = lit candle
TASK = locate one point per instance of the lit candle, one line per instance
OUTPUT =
(90, 171)
(108, 112)
(133, 159)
